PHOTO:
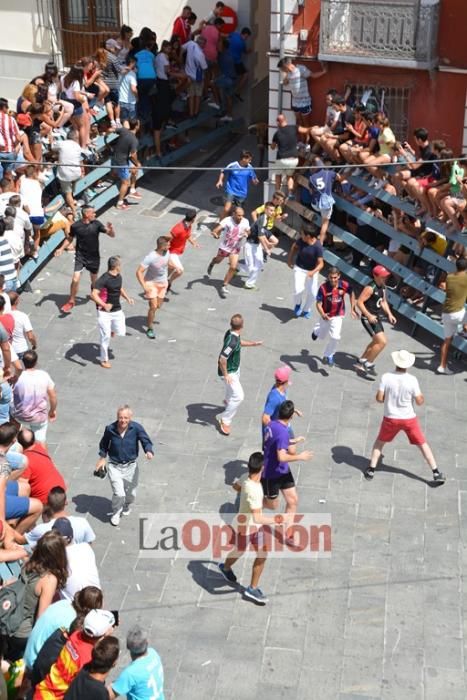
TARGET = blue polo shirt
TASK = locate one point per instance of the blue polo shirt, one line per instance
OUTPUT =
(238, 179)
(237, 46)
(143, 679)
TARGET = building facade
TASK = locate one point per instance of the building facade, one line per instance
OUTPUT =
(37, 31)
(409, 55)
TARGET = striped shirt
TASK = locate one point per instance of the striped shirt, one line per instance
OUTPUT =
(298, 83)
(9, 133)
(7, 261)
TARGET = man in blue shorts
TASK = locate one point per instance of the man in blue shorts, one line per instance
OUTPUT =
(16, 506)
(235, 178)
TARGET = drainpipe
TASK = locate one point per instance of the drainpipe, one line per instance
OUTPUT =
(281, 49)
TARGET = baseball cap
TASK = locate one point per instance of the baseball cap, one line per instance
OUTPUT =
(380, 271)
(282, 374)
(403, 359)
(63, 526)
(97, 622)
(112, 44)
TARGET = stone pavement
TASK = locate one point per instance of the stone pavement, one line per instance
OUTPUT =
(384, 617)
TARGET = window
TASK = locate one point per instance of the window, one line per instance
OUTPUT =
(393, 101)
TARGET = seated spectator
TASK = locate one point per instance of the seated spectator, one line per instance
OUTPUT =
(453, 203)
(62, 109)
(332, 115)
(330, 142)
(386, 141)
(34, 398)
(93, 81)
(56, 505)
(74, 91)
(82, 567)
(111, 69)
(41, 473)
(144, 671)
(61, 614)
(427, 175)
(76, 653)
(44, 574)
(90, 681)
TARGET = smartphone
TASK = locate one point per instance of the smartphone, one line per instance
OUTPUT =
(116, 615)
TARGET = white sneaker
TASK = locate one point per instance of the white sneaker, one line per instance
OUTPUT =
(226, 118)
(115, 518)
(214, 105)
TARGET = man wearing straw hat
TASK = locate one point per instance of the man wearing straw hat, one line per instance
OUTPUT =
(399, 390)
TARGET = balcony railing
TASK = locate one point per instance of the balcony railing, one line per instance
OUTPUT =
(400, 33)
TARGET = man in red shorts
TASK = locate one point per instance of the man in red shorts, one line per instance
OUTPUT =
(399, 390)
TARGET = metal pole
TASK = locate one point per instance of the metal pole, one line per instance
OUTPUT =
(281, 49)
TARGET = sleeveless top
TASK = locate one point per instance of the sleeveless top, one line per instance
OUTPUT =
(373, 304)
(30, 604)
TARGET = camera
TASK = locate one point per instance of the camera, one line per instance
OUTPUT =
(101, 473)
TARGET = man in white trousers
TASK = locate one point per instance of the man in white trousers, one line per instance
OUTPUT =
(306, 261)
(256, 245)
(330, 302)
(106, 294)
(229, 369)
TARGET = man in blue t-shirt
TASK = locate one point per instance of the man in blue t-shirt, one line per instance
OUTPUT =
(275, 399)
(278, 452)
(143, 679)
(238, 47)
(235, 178)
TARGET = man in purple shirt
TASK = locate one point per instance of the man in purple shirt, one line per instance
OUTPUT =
(278, 452)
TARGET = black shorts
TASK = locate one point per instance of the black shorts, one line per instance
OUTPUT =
(271, 487)
(112, 97)
(240, 69)
(372, 328)
(91, 266)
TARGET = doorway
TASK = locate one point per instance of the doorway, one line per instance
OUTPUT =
(85, 25)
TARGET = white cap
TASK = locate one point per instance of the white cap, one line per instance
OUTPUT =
(98, 622)
(403, 359)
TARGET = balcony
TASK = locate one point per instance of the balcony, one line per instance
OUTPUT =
(400, 33)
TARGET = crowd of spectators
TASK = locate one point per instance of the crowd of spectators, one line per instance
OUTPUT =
(355, 144)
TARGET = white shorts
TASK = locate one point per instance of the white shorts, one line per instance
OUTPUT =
(289, 166)
(174, 261)
(451, 322)
(325, 213)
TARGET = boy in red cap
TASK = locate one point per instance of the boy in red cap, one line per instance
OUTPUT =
(372, 303)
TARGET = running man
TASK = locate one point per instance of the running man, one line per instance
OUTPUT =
(251, 505)
(330, 303)
(180, 234)
(278, 452)
(236, 177)
(106, 294)
(231, 231)
(399, 390)
(152, 275)
(306, 261)
(229, 369)
(87, 256)
(372, 303)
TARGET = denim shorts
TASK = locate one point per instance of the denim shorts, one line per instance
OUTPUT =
(127, 110)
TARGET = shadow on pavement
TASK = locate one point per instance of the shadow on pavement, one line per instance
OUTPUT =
(345, 455)
(311, 361)
(89, 352)
(97, 506)
(203, 413)
(209, 578)
(283, 314)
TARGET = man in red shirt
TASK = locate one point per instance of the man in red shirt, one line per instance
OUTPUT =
(6, 319)
(41, 472)
(181, 27)
(179, 235)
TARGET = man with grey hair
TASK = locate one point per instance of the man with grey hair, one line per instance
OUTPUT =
(120, 444)
(106, 293)
(144, 676)
(69, 165)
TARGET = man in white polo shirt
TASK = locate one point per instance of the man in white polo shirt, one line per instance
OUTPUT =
(399, 391)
